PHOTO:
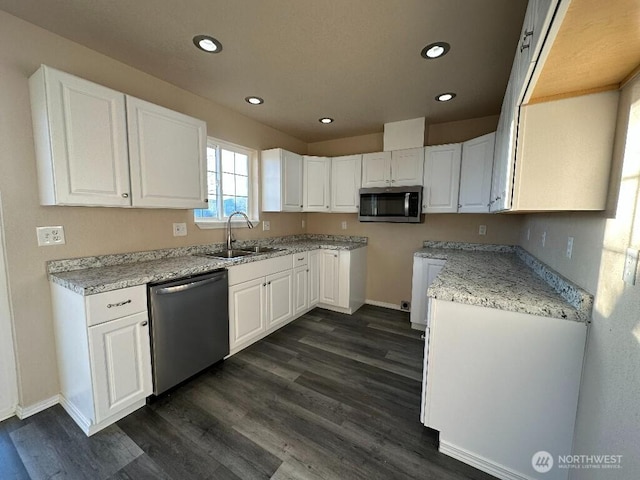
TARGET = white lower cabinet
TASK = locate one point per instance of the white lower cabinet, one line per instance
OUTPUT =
(103, 348)
(247, 311)
(300, 289)
(342, 277)
(314, 278)
(279, 290)
(425, 271)
(329, 277)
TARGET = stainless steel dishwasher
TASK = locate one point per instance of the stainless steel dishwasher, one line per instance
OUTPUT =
(189, 327)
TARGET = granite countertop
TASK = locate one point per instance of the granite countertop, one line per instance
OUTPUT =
(507, 279)
(93, 275)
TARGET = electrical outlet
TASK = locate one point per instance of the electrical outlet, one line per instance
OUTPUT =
(344, 225)
(569, 247)
(303, 223)
(482, 230)
(544, 238)
(179, 229)
(528, 233)
(630, 266)
(266, 225)
(48, 236)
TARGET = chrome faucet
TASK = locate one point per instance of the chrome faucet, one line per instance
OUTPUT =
(228, 231)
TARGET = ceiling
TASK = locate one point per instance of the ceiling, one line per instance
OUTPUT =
(357, 61)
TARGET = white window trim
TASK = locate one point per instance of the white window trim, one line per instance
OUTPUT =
(253, 213)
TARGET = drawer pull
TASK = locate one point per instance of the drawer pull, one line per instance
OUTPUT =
(119, 304)
(300, 259)
(144, 324)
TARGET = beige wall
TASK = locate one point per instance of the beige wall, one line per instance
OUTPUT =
(461, 131)
(608, 419)
(391, 246)
(89, 231)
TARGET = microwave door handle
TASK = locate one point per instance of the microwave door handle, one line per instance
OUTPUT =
(406, 204)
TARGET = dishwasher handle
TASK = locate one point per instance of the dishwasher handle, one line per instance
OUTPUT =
(188, 286)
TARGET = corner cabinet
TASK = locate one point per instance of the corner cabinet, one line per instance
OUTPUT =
(99, 147)
(281, 181)
(441, 178)
(103, 349)
(316, 185)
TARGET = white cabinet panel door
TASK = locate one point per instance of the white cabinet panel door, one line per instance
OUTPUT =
(442, 178)
(317, 184)
(121, 363)
(475, 174)
(291, 182)
(407, 167)
(314, 277)
(167, 152)
(81, 141)
(346, 176)
(247, 306)
(279, 298)
(376, 169)
(300, 290)
(329, 277)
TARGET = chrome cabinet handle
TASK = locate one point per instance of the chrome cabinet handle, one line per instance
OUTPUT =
(125, 195)
(119, 304)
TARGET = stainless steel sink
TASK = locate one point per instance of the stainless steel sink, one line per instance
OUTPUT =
(228, 254)
(261, 249)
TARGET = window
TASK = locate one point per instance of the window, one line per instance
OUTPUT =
(231, 184)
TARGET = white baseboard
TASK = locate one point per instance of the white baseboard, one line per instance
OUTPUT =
(76, 415)
(24, 412)
(7, 413)
(481, 463)
(375, 303)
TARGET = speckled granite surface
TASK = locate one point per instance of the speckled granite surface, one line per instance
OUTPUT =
(499, 277)
(91, 275)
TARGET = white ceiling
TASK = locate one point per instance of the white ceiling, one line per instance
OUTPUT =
(357, 61)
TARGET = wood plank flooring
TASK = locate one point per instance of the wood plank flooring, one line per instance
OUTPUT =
(329, 396)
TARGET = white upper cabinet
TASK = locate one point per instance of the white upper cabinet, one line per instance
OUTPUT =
(80, 132)
(407, 167)
(346, 176)
(376, 169)
(317, 184)
(281, 181)
(441, 178)
(395, 169)
(167, 155)
(93, 151)
(475, 174)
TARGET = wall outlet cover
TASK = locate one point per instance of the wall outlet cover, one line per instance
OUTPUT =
(630, 266)
(569, 247)
(266, 225)
(48, 236)
(344, 225)
(179, 229)
(482, 230)
(544, 238)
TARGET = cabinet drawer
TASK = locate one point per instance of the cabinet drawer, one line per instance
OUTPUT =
(106, 306)
(261, 268)
(300, 259)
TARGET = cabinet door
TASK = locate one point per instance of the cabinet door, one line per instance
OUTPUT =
(314, 277)
(316, 184)
(376, 169)
(425, 271)
(346, 176)
(442, 178)
(279, 298)
(329, 277)
(407, 167)
(81, 141)
(247, 306)
(291, 182)
(167, 152)
(121, 363)
(475, 174)
(300, 290)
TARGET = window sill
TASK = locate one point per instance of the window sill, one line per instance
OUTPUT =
(213, 224)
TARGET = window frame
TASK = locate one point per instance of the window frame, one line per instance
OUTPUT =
(253, 194)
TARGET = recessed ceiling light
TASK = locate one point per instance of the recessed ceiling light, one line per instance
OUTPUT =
(326, 120)
(207, 43)
(445, 97)
(435, 50)
(254, 100)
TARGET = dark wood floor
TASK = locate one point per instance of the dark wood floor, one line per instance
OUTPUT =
(329, 396)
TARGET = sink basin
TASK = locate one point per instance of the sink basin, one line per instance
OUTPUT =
(228, 254)
(261, 249)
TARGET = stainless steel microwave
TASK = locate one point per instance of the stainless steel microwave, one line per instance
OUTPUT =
(391, 204)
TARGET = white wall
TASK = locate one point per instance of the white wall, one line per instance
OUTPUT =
(608, 419)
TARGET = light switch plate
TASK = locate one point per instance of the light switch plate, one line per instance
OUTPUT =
(630, 266)
(179, 229)
(48, 236)
(344, 225)
(569, 247)
(482, 230)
